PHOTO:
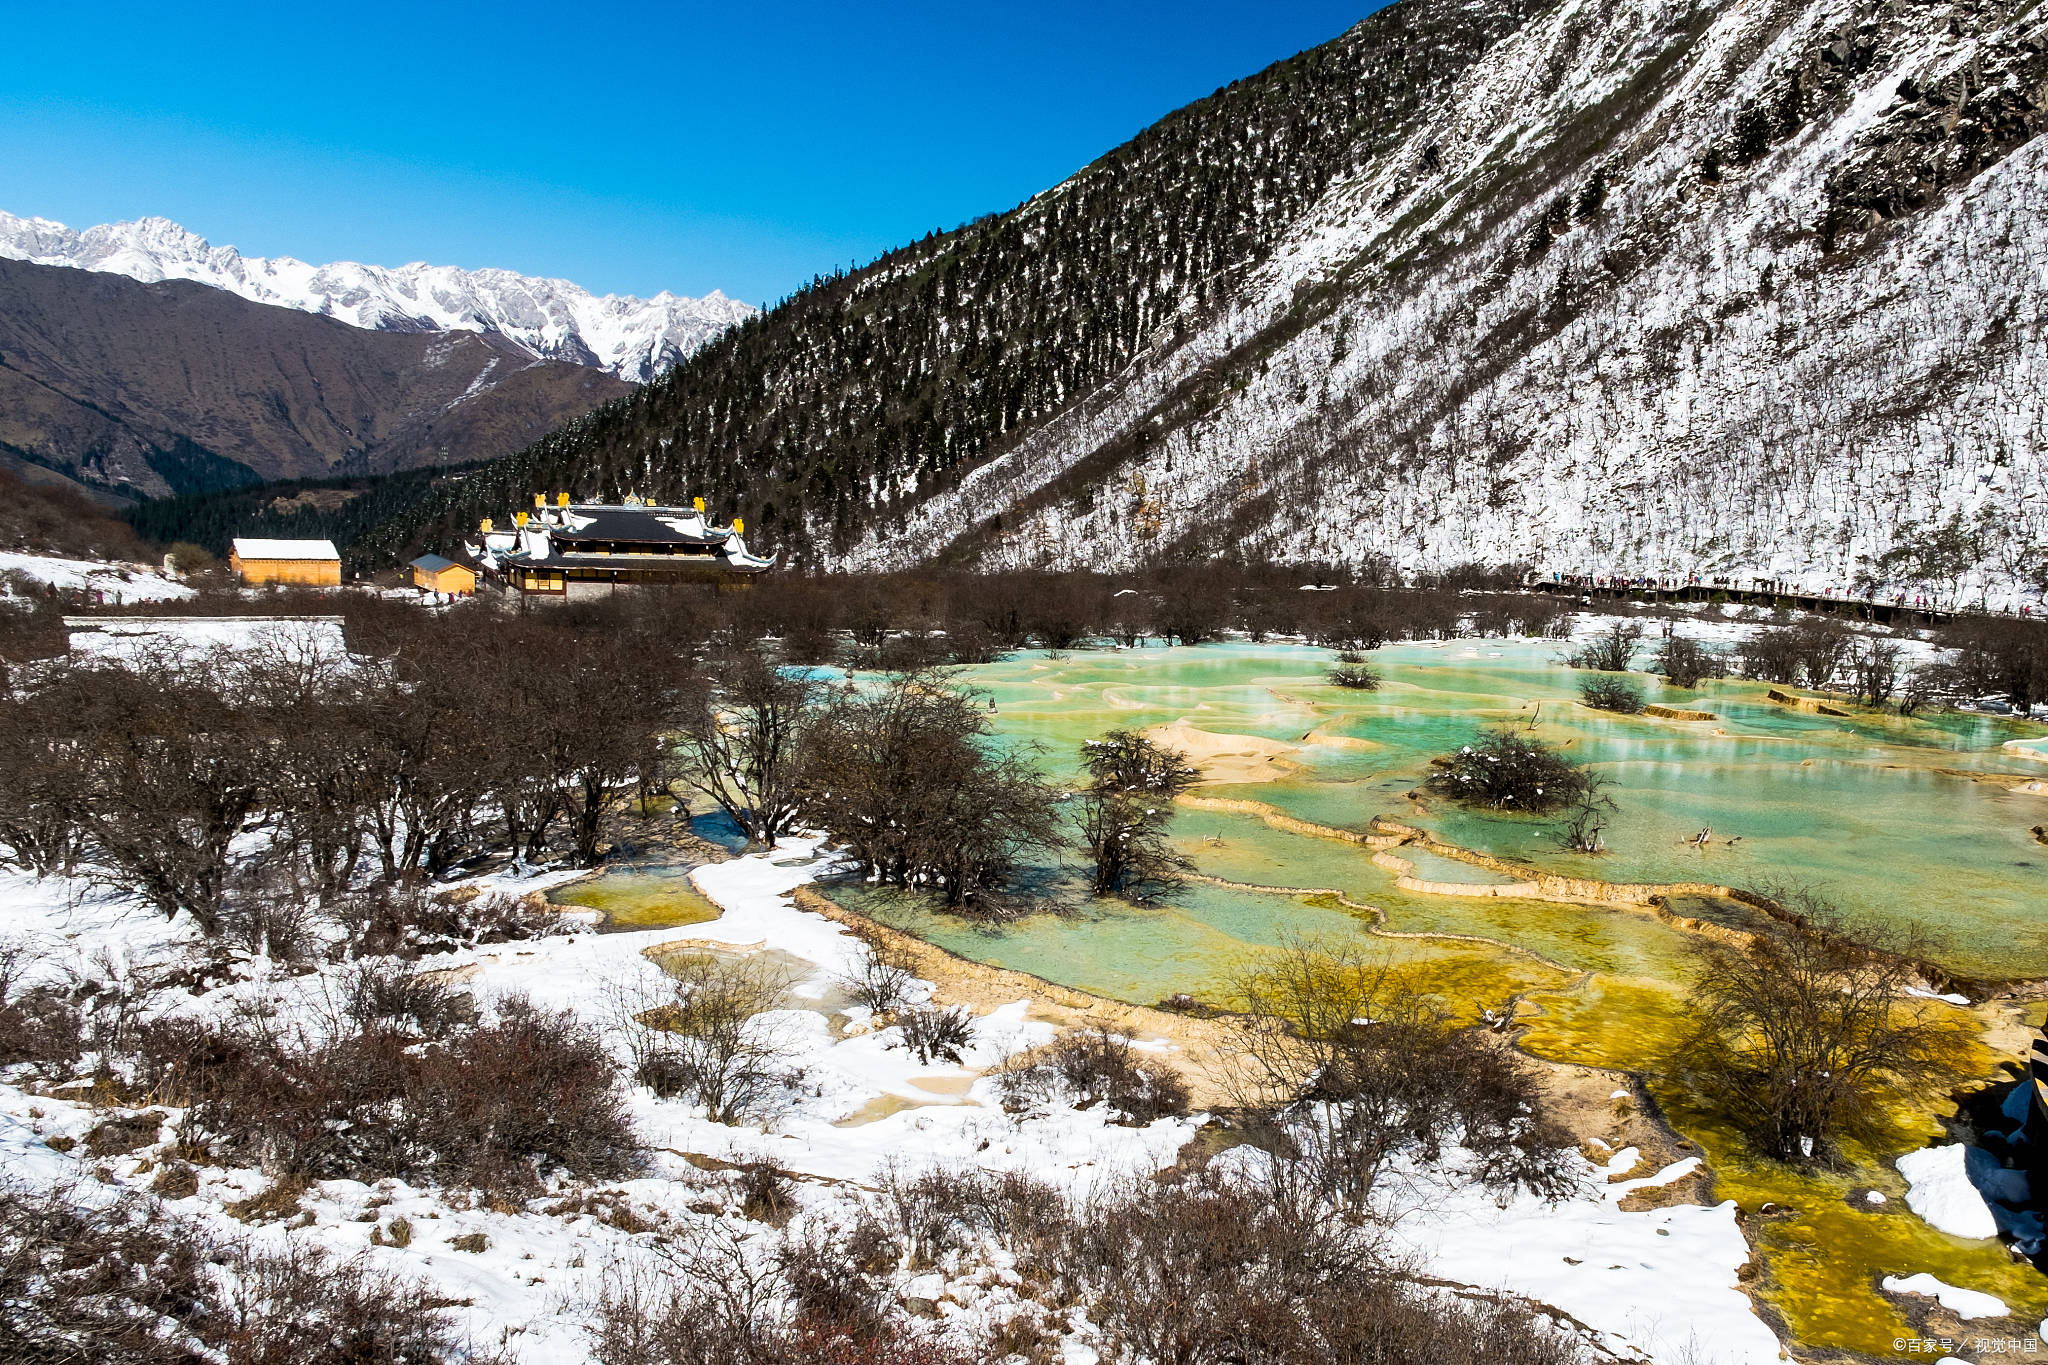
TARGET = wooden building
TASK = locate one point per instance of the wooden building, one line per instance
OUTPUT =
(438, 573)
(308, 563)
(582, 549)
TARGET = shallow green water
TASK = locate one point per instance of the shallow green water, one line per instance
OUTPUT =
(1859, 807)
(657, 897)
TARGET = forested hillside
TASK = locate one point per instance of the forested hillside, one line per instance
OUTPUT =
(1664, 286)
(865, 393)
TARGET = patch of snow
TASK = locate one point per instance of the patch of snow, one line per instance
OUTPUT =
(1951, 998)
(1964, 1303)
(118, 582)
(1656, 1284)
(1939, 1190)
(127, 638)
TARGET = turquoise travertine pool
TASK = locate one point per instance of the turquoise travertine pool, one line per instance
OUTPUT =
(1924, 824)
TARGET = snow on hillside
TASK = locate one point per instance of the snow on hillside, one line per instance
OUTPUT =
(635, 339)
(116, 583)
(1450, 360)
(1659, 1285)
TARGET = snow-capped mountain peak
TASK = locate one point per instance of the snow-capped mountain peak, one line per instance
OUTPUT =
(633, 338)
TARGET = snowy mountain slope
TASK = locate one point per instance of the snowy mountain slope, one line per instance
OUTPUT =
(635, 339)
(1661, 287)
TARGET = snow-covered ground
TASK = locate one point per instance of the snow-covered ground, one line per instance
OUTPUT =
(126, 638)
(1940, 1190)
(117, 582)
(1659, 1285)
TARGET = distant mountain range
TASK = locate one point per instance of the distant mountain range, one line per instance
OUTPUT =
(143, 390)
(632, 338)
(139, 361)
(1614, 286)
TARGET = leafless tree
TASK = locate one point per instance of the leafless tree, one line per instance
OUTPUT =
(1354, 1070)
(1801, 1032)
(172, 770)
(1611, 650)
(1874, 671)
(1585, 820)
(1125, 809)
(709, 1042)
(906, 776)
(1684, 661)
(42, 814)
(1996, 656)
(743, 726)
(1822, 648)
(876, 982)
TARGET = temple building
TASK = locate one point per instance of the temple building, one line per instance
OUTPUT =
(581, 548)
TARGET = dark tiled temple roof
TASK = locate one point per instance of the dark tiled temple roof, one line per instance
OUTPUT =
(640, 525)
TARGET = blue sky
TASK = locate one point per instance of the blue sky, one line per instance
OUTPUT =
(629, 147)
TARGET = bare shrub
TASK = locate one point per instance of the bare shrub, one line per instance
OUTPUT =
(126, 1285)
(1612, 694)
(42, 805)
(298, 1305)
(387, 995)
(710, 1043)
(266, 914)
(875, 983)
(1609, 651)
(408, 920)
(494, 1104)
(1208, 1271)
(834, 1275)
(40, 1022)
(1353, 1070)
(767, 1191)
(938, 1210)
(935, 1035)
(715, 1303)
(1684, 661)
(121, 1285)
(1506, 770)
(1800, 1034)
(1093, 1066)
